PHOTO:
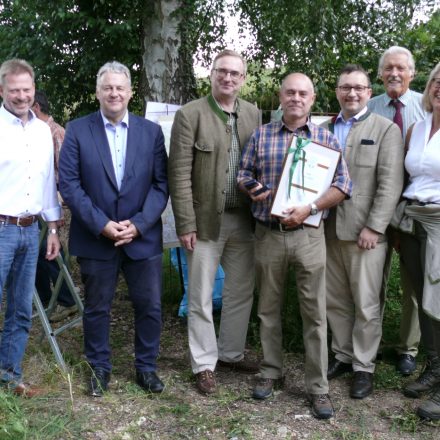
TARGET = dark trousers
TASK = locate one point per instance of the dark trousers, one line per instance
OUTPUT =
(47, 273)
(144, 281)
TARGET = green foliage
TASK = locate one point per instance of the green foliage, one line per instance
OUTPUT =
(67, 41)
(319, 37)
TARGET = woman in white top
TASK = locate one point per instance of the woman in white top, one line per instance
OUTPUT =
(420, 249)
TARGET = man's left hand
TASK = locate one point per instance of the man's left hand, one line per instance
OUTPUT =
(53, 247)
(128, 234)
(295, 216)
(367, 239)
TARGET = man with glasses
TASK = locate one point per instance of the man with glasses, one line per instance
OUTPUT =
(355, 230)
(404, 107)
(213, 221)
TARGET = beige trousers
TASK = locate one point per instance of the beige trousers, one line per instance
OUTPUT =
(234, 250)
(354, 280)
(304, 250)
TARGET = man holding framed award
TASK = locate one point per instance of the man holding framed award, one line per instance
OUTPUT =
(287, 240)
(355, 230)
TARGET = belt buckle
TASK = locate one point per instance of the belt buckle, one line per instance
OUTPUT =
(19, 221)
(281, 227)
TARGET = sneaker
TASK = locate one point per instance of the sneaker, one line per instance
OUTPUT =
(428, 379)
(243, 366)
(205, 382)
(61, 312)
(322, 407)
(430, 409)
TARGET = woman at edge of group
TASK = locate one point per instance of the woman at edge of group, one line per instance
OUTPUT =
(419, 216)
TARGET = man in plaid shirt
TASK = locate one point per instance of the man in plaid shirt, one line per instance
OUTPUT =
(280, 242)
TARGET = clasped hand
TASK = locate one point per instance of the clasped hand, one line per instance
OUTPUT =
(121, 232)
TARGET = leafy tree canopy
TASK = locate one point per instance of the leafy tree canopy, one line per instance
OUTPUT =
(68, 40)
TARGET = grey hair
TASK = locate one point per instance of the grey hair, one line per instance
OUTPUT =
(426, 102)
(395, 50)
(113, 67)
(15, 66)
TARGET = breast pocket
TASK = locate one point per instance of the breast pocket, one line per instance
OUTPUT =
(366, 155)
(203, 174)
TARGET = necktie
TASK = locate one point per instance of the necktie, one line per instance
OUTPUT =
(398, 115)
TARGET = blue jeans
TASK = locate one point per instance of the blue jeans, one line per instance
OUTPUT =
(18, 262)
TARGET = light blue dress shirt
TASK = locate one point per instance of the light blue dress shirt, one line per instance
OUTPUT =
(342, 127)
(412, 110)
(117, 141)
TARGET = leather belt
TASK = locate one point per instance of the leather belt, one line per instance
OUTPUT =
(18, 221)
(277, 226)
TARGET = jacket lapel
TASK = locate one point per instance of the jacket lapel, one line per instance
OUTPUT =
(99, 136)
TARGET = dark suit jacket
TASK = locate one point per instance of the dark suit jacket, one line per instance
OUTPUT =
(88, 186)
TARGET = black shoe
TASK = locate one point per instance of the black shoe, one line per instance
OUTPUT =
(337, 368)
(149, 382)
(406, 364)
(428, 380)
(362, 385)
(98, 382)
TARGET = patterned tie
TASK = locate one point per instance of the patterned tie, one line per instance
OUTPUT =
(398, 115)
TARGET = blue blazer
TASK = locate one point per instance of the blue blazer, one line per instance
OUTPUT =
(87, 183)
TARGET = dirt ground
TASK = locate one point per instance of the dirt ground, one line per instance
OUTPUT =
(180, 412)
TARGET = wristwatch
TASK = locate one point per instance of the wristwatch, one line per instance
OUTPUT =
(52, 231)
(313, 209)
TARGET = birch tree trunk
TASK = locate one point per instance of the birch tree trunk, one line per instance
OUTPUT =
(168, 74)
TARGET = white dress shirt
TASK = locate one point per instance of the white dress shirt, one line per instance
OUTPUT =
(27, 178)
(117, 141)
(423, 163)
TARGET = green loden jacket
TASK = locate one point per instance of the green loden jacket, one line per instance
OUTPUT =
(198, 163)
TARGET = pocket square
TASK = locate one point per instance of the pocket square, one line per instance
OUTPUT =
(367, 142)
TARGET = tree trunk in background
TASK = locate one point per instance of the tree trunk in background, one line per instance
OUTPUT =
(168, 74)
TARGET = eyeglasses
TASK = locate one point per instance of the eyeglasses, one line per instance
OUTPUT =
(357, 89)
(223, 73)
(436, 83)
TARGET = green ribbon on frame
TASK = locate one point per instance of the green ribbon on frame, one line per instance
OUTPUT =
(297, 153)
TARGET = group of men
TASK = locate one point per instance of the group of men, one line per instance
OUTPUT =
(223, 169)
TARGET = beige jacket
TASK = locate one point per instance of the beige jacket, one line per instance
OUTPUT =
(374, 155)
(198, 163)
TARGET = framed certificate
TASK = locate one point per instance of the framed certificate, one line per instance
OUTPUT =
(308, 172)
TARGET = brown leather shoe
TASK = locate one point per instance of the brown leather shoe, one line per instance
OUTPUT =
(243, 366)
(25, 390)
(205, 382)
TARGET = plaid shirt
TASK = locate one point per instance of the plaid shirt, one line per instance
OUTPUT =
(264, 154)
(232, 193)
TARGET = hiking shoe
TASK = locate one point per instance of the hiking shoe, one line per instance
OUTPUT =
(428, 379)
(322, 407)
(243, 366)
(430, 409)
(61, 312)
(264, 388)
(205, 382)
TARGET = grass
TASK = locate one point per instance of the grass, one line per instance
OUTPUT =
(127, 413)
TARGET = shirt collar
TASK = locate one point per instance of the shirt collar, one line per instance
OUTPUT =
(123, 122)
(305, 127)
(10, 118)
(340, 117)
(234, 111)
(404, 99)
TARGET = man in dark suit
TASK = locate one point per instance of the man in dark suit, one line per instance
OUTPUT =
(113, 178)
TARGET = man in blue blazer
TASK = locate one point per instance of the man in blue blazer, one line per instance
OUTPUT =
(112, 175)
